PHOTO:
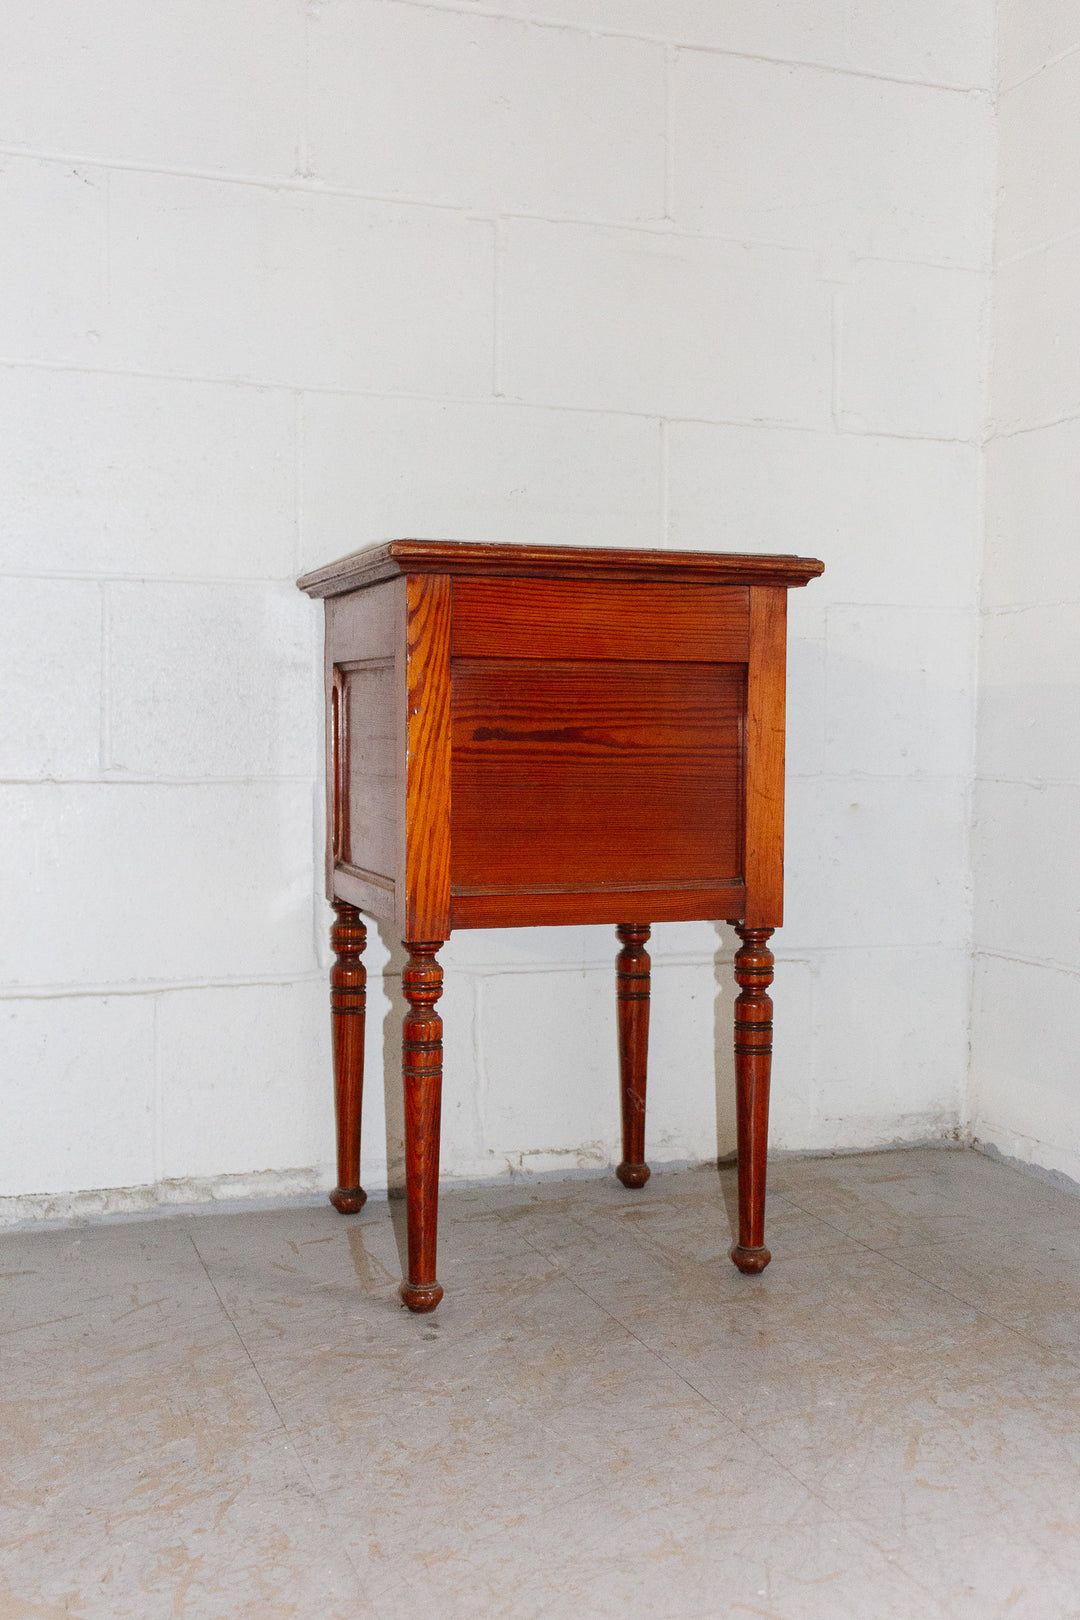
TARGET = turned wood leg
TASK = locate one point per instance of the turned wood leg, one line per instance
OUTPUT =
(348, 999)
(421, 1063)
(632, 993)
(753, 1059)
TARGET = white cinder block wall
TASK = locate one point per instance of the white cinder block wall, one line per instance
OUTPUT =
(1026, 1023)
(284, 279)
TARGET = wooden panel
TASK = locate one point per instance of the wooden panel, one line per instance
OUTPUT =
(367, 770)
(424, 909)
(374, 896)
(561, 618)
(765, 758)
(548, 908)
(569, 773)
(363, 625)
(359, 629)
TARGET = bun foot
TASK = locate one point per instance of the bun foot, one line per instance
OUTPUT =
(348, 1200)
(750, 1261)
(421, 1297)
(633, 1175)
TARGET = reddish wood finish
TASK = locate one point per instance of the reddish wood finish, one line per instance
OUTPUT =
(753, 1061)
(764, 827)
(424, 904)
(421, 1061)
(545, 734)
(604, 618)
(632, 986)
(565, 770)
(466, 559)
(348, 1002)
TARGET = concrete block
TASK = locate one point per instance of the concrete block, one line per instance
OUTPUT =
(951, 44)
(135, 475)
(889, 517)
(497, 472)
(807, 158)
(1029, 695)
(78, 1093)
(245, 1079)
(530, 949)
(191, 84)
(1038, 160)
(806, 706)
(548, 1094)
(53, 261)
(1036, 374)
(632, 321)
(212, 680)
(50, 675)
(876, 862)
(1033, 518)
(223, 281)
(1032, 33)
(690, 1107)
(900, 691)
(912, 353)
(125, 884)
(1027, 885)
(891, 1042)
(1023, 1068)
(483, 131)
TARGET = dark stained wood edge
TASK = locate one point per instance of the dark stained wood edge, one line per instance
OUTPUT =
(763, 869)
(396, 557)
(542, 908)
(424, 886)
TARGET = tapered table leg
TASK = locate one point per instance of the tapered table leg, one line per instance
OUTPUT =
(632, 1003)
(348, 1001)
(421, 1063)
(753, 1061)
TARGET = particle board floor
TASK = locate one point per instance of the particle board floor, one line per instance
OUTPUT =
(231, 1416)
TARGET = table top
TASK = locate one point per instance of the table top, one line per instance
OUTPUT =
(392, 558)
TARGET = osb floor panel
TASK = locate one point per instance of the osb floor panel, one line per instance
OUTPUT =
(231, 1415)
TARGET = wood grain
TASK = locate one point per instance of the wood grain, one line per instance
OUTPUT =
(565, 771)
(360, 629)
(632, 991)
(348, 1005)
(575, 904)
(568, 618)
(421, 1063)
(753, 1062)
(764, 861)
(462, 558)
(425, 907)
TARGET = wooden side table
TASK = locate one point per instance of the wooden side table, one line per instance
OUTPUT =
(539, 734)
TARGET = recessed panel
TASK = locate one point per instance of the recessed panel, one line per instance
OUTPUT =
(564, 773)
(367, 773)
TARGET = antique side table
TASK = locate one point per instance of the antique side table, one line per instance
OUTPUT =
(539, 734)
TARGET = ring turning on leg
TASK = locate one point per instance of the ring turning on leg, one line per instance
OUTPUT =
(632, 1003)
(348, 1000)
(421, 1064)
(753, 1060)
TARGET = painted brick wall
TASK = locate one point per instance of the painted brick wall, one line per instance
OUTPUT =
(1026, 1024)
(281, 280)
